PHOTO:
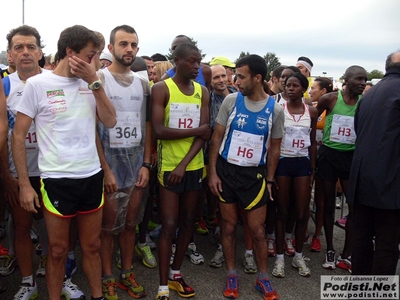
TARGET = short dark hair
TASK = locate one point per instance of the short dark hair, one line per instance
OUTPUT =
(125, 28)
(146, 57)
(76, 37)
(350, 71)
(277, 72)
(159, 57)
(293, 68)
(256, 64)
(181, 49)
(303, 79)
(306, 59)
(24, 30)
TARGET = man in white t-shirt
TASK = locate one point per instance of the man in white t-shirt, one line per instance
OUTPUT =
(64, 105)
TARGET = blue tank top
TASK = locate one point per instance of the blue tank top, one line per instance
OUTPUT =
(247, 134)
(199, 79)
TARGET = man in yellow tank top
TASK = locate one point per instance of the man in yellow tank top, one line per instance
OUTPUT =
(180, 117)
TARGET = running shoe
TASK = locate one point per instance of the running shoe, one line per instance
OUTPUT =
(329, 262)
(26, 292)
(300, 264)
(71, 291)
(148, 258)
(212, 222)
(271, 247)
(110, 289)
(41, 271)
(151, 225)
(231, 289)
(34, 236)
(171, 260)
(342, 222)
(201, 227)
(344, 263)
(38, 249)
(289, 248)
(218, 259)
(265, 287)
(195, 257)
(7, 264)
(71, 267)
(155, 234)
(279, 268)
(149, 241)
(163, 296)
(3, 250)
(180, 286)
(249, 264)
(127, 282)
(315, 244)
(338, 203)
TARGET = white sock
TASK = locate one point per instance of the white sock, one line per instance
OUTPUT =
(163, 289)
(141, 245)
(173, 272)
(28, 279)
(280, 256)
(270, 235)
(248, 252)
(288, 235)
(71, 254)
(298, 255)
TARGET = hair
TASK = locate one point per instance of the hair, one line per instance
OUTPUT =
(102, 40)
(161, 67)
(139, 64)
(159, 57)
(389, 61)
(75, 37)
(325, 83)
(126, 28)
(182, 49)
(350, 71)
(183, 36)
(293, 68)
(24, 30)
(277, 72)
(306, 59)
(146, 57)
(303, 79)
(256, 64)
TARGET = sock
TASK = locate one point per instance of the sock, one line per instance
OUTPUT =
(288, 235)
(232, 272)
(270, 235)
(10, 233)
(280, 256)
(124, 272)
(43, 239)
(28, 279)
(163, 289)
(71, 254)
(141, 245)
(174, 272)
(298, 255)
(262, 276)
(248, 252)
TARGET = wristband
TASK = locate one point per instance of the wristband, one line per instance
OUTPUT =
(148, 166)
(270, 181)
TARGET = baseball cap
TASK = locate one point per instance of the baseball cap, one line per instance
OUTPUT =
(223, 61)
(106, 55)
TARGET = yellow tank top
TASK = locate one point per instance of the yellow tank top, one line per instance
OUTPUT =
(182, 112)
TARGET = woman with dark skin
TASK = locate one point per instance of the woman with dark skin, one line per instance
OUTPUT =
(295, 172)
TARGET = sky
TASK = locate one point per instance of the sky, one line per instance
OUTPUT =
(333, 34)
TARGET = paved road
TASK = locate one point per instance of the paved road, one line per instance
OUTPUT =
(209, 282)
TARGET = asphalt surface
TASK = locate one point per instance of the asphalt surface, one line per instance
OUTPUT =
(209, 282)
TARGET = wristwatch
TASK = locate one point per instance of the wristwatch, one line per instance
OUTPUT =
(95, 85)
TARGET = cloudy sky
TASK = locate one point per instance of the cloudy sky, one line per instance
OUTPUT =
(333, 34)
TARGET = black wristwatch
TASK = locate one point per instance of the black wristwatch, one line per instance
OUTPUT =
(148, 166)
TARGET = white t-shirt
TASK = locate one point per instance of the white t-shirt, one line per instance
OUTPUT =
(64, 111)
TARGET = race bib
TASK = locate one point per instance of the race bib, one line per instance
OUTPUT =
(342, 130)
(31, 139)
(184, 115)
(245, 149)
(296, 141)
(127, 133)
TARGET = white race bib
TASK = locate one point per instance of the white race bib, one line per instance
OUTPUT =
(184, 115)
(342, 130)
(127, 133)
(245, 149)
(296, 141)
